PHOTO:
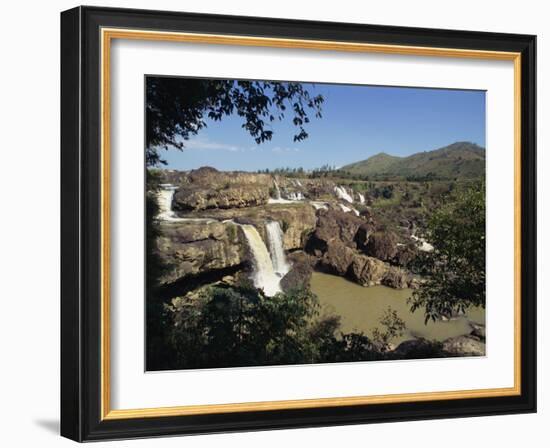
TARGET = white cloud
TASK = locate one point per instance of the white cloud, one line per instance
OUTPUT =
(284, 149)
(204, 143)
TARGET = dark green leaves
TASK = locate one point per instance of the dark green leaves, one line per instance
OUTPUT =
(455, 270)
(176, 109)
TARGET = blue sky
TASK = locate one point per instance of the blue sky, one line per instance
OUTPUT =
(357, 122)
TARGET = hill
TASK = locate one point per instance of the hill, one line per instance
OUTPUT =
(461, 160)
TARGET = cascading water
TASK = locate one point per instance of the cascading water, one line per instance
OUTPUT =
(361, 198)
(298, 196)
(277, 189)
(264, 275)
(341, 193)
(165, 197)
(276, 249)
(347, 209)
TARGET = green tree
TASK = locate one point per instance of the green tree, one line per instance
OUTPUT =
(239, 326)
(177, 109)
(455, 270)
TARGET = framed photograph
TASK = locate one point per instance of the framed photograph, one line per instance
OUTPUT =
(275, 224)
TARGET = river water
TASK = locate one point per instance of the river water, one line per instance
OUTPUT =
(361, 308)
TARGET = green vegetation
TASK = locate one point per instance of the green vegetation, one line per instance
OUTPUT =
(461, 160)
(455, 271)
(177, 110)
(225, 326)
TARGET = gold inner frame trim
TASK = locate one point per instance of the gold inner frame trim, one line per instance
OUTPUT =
(107, 35)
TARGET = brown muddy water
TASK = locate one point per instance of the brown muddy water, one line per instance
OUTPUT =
(361, 309)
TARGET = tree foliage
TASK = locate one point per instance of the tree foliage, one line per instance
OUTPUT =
(455, 270)
(229, 326)
(177, 109)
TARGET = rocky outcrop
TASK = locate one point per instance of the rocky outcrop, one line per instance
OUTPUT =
(381, 245)
(300, 273)
(334, 244)
(464, 346)
(297, 220)
(208, 188)
(418, 349)
(189, 248)
(459, 346)
(333, 226)
(336, 259)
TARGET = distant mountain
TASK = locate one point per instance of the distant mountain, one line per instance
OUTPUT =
(461, 160)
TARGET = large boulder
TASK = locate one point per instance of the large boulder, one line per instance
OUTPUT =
(208, 188)
(398, 278)
(300, 273)
(363, 234)
(381, 245)
(336, 259)
(192, 248)
(367, 271)
(333, 226)
(405, 255)
(418, 349)
(464, 346)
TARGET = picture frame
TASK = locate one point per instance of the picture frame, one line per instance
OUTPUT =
(87, 34)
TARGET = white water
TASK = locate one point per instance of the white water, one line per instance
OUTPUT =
(165, 198)
(296, 196)
(276, 249)
(277, 189)
(264, 275)
(341, 193)
(361, 198)
(319, 205)
(347, 209)
(423, 244)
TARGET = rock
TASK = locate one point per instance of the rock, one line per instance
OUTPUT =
(208, 188)
(405, 255)
(297, 220)
(367, 271)
(189, 248)
(363, 234)
(418, 349)
(478, 330)
(337, 258)
(381, 245)
(397, 278)
(333, 225)
(299, 275)
(464, 346)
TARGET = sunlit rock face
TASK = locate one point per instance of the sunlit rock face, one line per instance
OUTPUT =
(207, 188)
(189, 248)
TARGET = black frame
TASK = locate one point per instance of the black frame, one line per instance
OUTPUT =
(81, 224)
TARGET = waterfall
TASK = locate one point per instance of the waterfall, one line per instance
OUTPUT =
(277, 189)
(361, 198)
(341, 193)
(296, 196)
(264, 275)
(165, 197)
(275, 239)
(347, 209)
